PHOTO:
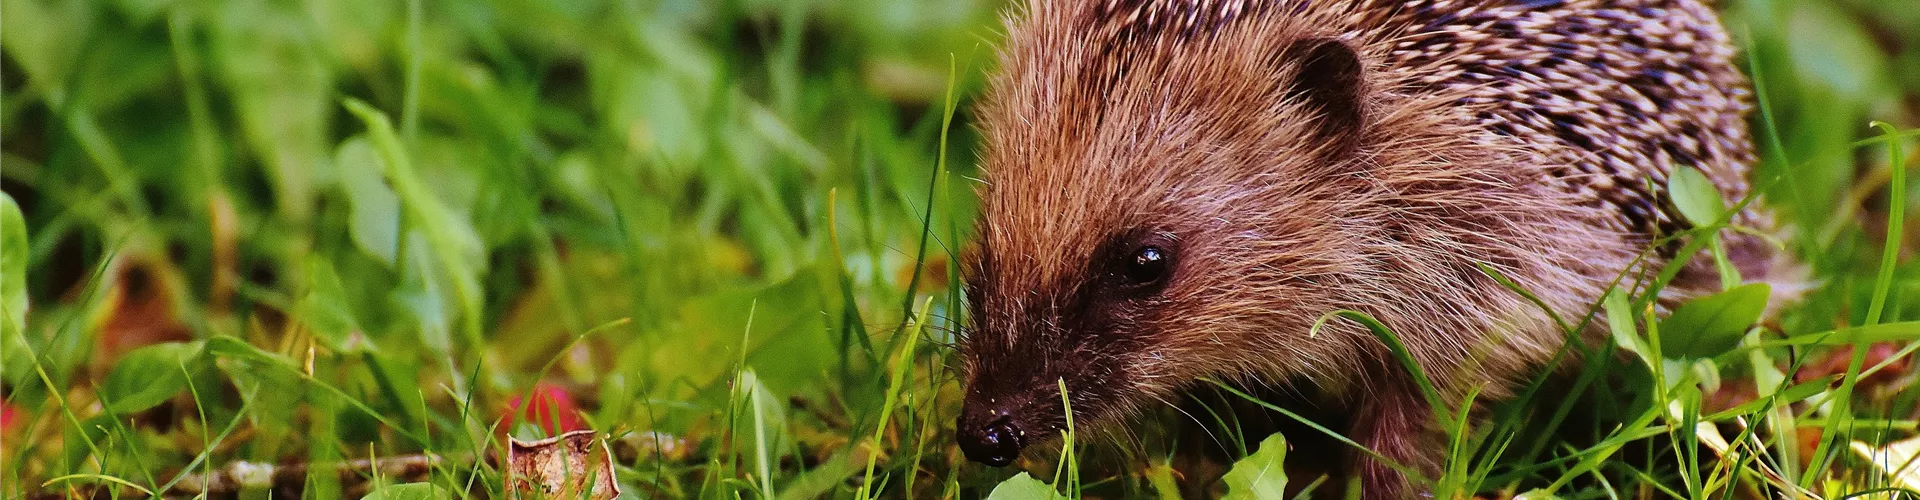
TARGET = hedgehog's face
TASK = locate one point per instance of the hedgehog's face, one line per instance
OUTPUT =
(1036, 329)
(1137, 234)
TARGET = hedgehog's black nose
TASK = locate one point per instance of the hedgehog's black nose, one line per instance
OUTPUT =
(994, 444)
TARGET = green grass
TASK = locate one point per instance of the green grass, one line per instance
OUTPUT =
(310, 233)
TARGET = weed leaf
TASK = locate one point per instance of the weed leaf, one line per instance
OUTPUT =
(822, 479)
(1024, 487)
(325, 306)
(1695, 196)
(1161, 478)
(1712, 325)
(269, 382)
(1620, 321)
(1262, 474)
(374, 207)
(14, 352)
(13, 263)
(148, 376)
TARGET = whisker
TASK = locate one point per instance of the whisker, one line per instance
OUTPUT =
(1196, 420)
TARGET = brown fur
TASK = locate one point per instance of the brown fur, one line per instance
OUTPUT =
(1520, 134)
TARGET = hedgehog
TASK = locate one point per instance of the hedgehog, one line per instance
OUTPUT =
(1179, 190)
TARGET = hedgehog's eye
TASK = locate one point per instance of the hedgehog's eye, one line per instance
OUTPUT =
(1147, 266)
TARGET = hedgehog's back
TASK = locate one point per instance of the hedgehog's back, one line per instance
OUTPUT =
(1610, 96)
(1606, 98)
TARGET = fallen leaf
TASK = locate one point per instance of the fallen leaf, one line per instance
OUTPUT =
(564, 466)
(1729, 395)
(1808, 438)
(1897, 460)
(140, 310)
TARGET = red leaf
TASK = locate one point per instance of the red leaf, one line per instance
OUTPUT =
(1835, 362)
(549, 406)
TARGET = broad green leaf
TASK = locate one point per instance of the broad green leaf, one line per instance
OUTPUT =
(142, 11)
(270, 383)
(13, 263)
(424, 296)
(281, 93)
(274, 386)
(1712, 325)
(16, 361)
(1160, 477)
(40, 35)
(226, 347)
(455, 246)
(148, 376)
(1620, 321)
(1262, 474)
(822, 479)
(409, 491)
(712, 323)
(325, 306)
(1024, 487)
(1837, 53)
(374, 207)
(1695, 196)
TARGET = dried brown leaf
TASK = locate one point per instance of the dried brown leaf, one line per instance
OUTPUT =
(564, 466)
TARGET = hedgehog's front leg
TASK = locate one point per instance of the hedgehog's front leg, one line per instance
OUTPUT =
(1395, 422)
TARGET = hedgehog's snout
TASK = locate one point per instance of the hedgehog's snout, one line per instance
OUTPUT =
(989, 435)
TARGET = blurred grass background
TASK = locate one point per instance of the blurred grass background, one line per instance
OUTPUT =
(746, 197)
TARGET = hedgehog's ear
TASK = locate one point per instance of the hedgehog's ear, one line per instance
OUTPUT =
(1329, 83)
